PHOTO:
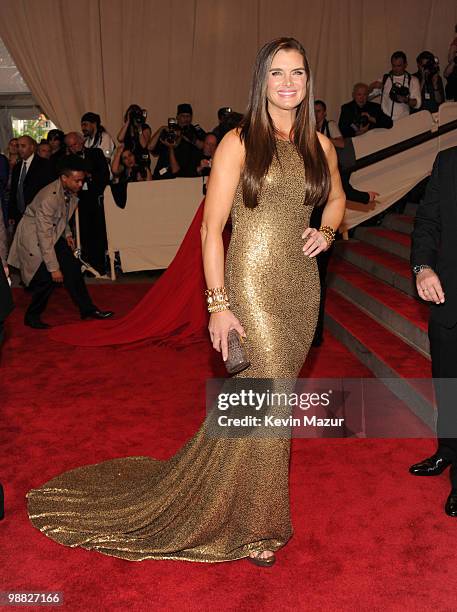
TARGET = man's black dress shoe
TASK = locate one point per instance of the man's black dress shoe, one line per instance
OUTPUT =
(451, 503)
(432, 466)
(97, 314)
(36, 324)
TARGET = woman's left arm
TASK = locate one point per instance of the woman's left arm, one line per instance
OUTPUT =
(334, 208)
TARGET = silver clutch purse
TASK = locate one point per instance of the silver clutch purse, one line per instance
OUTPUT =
(237, 359)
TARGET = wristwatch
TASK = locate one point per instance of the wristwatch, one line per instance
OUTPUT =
(417, 269)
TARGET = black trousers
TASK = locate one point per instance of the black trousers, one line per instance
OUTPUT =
(93, 230)
(6, 299)
(443, 350)
(42, 285)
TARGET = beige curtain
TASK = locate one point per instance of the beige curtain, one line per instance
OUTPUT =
(102, 55)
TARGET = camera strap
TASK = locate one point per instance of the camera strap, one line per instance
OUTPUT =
(390, 76)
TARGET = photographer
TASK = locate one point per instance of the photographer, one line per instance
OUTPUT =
(206, 161)
(327, 126)
(400, 90)
(221, 115)
(209, 148)
(431, 83)
(359, 115)
(176, 155)
(126, 170)
(194, 134)
(136, 133)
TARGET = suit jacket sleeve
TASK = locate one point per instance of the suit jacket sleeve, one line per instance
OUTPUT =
(3, 243)
(100, 171)
(382, 120)
(345, 120)
(13, 212)
(427, 225)
(44, 222)
(351, 193)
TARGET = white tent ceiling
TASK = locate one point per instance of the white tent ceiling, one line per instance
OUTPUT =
(10, 79)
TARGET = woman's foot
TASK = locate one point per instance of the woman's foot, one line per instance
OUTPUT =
(265, 558)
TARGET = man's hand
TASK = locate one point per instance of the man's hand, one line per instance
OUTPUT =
(369, 117)
(205, 163)
(71, 242)
(373, 195)
(363, 130)
(170, 145)
(6, 270)
(57, 276)
(429, 286)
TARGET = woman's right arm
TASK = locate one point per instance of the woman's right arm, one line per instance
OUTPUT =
(123, 131)
(225, 175)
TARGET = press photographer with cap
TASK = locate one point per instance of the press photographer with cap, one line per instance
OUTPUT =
(192, 133)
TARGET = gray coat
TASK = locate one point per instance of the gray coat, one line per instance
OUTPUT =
(45, 220)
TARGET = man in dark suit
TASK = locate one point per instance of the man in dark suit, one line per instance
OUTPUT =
(359, 115)
(30, 175)
(434, 261)
(91, 212)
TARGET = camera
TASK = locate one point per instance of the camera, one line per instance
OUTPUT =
(192, 133)
(398, 91)
(207, 170)
(170, 135)
(431, 66)
(138, 116)
(224, 111)
(363, 121)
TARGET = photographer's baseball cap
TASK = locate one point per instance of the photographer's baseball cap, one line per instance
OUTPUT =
(184, 108)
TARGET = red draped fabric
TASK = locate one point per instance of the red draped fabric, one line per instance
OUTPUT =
(172, 312)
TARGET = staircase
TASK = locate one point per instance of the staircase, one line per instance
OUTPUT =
(372, 307)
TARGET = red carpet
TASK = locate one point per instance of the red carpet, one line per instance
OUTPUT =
(365, 250)
(416, 312)
(368, 536)
(403, 239)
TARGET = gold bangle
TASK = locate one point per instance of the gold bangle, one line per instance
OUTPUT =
(217, 299)
(328, 233)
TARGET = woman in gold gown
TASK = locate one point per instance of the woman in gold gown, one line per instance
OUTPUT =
(219, 498)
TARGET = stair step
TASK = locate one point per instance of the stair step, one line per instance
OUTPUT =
(399, 223)
(411, 209)
(389, 268)
(384, 353)
(400, 313)
(387, 240)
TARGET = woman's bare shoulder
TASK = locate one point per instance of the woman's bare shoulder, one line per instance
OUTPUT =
(231, 146)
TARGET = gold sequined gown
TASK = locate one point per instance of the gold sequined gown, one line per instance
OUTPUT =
(217, 499)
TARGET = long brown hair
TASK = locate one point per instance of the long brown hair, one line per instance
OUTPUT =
(259, 136)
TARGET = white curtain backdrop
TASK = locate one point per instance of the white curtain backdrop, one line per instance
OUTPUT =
(102, 55)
